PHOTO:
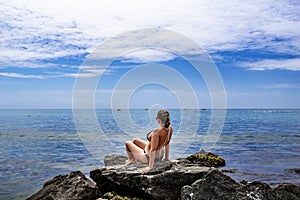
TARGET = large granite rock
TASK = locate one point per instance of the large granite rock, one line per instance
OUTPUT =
(164, 181)
(215, 185)
(73, 186)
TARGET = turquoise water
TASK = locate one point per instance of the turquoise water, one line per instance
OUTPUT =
(259, 144)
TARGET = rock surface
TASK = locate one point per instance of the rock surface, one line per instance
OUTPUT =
(215, 185)
(164, 181)
(70, 186)
(111, 160)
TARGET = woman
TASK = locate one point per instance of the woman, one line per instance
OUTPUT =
(157, 147)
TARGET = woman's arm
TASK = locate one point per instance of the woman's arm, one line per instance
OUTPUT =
(153, 149)
(167, 152)
(167, 147)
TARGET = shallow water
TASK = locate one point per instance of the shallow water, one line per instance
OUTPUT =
(36, 145)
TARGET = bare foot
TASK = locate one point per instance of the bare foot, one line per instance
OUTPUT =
(132, 161)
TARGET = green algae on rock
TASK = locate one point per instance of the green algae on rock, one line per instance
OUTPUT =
(114, 196)
(207, 159)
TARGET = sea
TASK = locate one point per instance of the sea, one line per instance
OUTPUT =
(38, 144)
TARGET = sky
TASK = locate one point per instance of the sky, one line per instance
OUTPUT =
(253, 44)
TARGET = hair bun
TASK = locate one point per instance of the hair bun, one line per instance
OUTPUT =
(164, 116)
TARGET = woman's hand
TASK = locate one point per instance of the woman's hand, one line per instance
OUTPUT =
(146, 170)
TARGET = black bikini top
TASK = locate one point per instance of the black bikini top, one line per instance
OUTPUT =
(148, 135)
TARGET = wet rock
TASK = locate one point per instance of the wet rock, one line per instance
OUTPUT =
(73, 186)
(225, 170)
(293, 170)
(297, 170)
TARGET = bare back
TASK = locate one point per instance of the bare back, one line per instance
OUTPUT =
(164, 136)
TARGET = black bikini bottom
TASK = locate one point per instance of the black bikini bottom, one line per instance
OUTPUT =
(155, 160)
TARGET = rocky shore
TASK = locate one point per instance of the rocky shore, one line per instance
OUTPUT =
(195, 177)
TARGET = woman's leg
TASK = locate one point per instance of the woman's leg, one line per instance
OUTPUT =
(135, 152)
(129, 154)
(140, 143)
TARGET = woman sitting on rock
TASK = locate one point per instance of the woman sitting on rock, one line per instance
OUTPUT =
(157, 147)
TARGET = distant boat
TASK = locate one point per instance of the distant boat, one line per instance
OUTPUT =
(146, 109)
(203, 108)
(119, 109)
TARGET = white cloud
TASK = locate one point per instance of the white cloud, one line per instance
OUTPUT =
(35, 30)
(18, 75)
(148, 55)
(271, 64)
(28, 36)
(84, 72)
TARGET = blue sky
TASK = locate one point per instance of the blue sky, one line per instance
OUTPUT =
(255, 45)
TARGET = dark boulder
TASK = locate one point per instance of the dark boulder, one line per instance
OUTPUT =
(215, 185)
(293, 170)
(287, 191)
(73, 186)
